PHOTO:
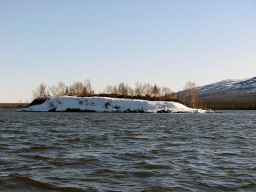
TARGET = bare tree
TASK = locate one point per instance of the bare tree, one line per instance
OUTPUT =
(53, 91)
(67, 92)
(114, 90)
(61, 88)
(130, 91)
(191, 93)
(77, 88)
(139, 89)
(108, 89)
(88, 88)
(182, 96)
(166, 92)
(147, 89)
(155, 91)
(122, 89)
(40, 92)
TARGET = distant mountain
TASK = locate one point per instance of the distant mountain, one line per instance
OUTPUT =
(229, 89)
(248, 84)
(219, 86)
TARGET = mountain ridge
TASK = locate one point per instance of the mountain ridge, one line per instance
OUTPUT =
(229, 89)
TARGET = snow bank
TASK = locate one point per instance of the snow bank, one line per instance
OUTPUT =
(104, 104)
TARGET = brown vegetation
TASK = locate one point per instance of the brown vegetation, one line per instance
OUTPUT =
(13, 105)
(83, 89)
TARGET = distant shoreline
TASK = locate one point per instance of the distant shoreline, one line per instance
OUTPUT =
(13, 105)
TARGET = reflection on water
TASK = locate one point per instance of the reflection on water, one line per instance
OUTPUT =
(127, 152)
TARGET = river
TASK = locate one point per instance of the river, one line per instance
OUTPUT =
(47, 151)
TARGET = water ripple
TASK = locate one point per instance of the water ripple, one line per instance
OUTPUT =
(127, 152)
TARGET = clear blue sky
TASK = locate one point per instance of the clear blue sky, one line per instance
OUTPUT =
(168, 42)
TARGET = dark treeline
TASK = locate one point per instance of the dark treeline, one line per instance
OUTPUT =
(13, 105)
(234, 104)
(84, 89)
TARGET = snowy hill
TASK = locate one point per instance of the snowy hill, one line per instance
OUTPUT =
(245, 84)
(103, 104)
(229, 89)
(219, 86)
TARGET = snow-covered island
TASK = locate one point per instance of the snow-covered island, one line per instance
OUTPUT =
(105, 104)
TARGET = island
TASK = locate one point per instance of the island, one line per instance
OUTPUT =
(105, 104)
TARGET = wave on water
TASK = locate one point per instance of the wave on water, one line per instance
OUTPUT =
(127, 152)
(24, 183)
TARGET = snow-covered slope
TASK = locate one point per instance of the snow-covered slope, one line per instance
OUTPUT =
(229, 84)
(229, 89)
(245, 84)
(103, 104)
(219, 86)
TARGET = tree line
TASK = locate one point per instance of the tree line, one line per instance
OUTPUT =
(13, 105)
(78, 88)
(232, 104)
(83, 89)
(139, 91)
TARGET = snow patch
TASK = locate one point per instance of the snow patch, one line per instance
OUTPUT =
(104, 104)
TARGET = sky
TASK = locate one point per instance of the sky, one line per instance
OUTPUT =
(167, 42)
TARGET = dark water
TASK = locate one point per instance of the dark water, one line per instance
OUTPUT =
(127, 152)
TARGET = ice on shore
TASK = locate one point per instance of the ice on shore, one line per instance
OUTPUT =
(105, 104)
